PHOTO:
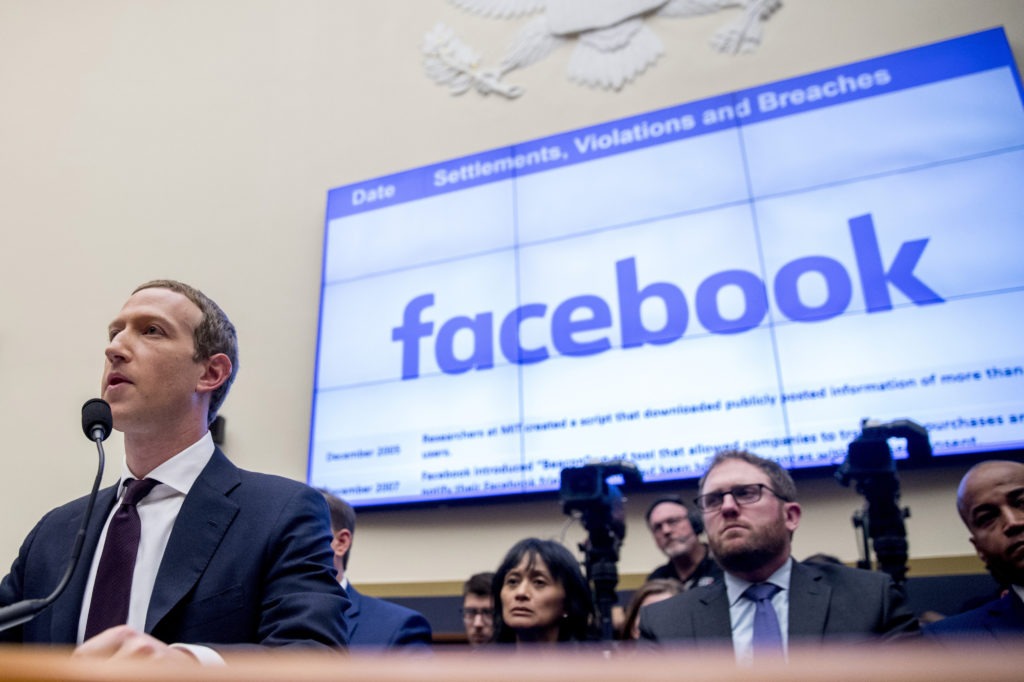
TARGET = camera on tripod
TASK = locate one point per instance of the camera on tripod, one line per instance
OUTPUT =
(587, 491)
(869, 453)
(869, 462)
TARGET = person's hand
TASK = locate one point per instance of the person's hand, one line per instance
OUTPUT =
(126, 643)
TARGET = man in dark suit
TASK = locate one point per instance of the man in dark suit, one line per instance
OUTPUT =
(371, 622)
(222, 557)
(750, 513)
(990, 500)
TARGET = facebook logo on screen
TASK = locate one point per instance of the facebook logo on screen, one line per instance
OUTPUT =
(576, 322)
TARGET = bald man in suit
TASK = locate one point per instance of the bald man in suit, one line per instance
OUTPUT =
(990, 501)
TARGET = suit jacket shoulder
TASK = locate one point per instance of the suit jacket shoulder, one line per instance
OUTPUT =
(42, 560)
(699, 616)
(248, 562)
(837, 602)
(380, 623)
(1001, 619)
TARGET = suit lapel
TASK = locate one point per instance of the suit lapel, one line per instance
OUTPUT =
(809, 597)
(352, 612)
(1016, 609)
(204, 518)
(1006, 618)
(712, 622)
(68, 608)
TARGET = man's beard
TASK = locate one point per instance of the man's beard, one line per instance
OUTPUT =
(760, 548)
(678, 549)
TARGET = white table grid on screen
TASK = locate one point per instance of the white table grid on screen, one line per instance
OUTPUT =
(760, 269)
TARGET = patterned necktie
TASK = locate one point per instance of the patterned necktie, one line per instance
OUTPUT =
(112, 588)
(767, 634)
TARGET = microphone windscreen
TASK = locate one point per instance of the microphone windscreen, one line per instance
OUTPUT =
(96, 415)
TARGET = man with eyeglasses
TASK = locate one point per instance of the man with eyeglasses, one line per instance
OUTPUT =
(768, 602)
(478, 609)
(676, 529)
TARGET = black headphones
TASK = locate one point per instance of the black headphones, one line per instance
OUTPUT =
(696, 521)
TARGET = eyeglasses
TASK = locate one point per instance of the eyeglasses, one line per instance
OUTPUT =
(469, 615)
(668, 524)
(741, 494)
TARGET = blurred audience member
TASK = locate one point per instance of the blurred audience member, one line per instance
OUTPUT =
(990, 500)
(676, 528)
(478, 609)
(371, 622)
(650, 592)
(540, 595)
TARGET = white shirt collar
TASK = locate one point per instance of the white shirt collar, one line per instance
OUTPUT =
(181, 471)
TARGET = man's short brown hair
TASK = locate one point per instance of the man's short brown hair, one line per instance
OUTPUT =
(478, 584)
(782, 482)
(214, 334)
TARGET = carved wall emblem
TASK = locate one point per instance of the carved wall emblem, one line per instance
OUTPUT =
(611, 41)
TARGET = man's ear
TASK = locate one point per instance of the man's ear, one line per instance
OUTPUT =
(792, 513)
(341, 542)
(217, 370)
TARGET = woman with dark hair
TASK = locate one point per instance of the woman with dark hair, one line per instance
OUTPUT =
(540, 595)
(650, 592)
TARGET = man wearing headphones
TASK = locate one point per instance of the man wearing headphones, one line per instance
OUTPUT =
(676, 529)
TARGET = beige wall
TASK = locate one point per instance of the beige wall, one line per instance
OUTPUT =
(196, 139)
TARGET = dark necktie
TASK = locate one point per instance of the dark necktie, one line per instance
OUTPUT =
(112, 588)
(767, 634)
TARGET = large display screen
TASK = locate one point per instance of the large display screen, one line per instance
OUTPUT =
(759, 270)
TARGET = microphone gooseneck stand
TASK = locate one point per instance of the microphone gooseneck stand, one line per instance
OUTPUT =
(96, 422)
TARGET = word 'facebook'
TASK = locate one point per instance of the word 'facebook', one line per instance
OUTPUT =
(576, 323)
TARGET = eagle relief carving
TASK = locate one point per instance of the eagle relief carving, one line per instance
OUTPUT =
(611, 41)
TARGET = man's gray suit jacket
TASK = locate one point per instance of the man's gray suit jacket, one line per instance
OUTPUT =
(826, 603)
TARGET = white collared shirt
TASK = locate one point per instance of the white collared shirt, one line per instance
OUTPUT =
(741, 611)
(157, 513)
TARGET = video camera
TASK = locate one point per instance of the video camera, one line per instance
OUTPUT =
(869, 462)
(586, 490)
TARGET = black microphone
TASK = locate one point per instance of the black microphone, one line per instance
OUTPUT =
(96, 423)
(96, 419)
